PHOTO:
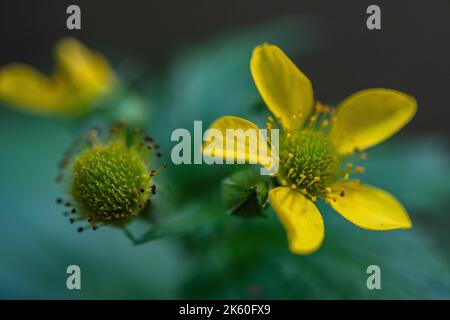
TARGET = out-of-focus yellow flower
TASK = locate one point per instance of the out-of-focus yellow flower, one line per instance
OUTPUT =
(81, 79)
(315, 147)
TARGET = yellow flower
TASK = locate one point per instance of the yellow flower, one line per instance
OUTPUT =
(315, 147)
(81, 79)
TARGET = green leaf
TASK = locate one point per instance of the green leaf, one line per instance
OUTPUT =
(245, 192)
(415, 170)
(189, 219)
(251, 260)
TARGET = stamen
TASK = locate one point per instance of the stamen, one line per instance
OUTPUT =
(360, 170)
(314, 181)
(290, 156)
(290, 172)
(310, 162)
(302, 177)
(324, 123)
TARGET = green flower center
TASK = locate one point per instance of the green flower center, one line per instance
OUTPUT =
(110, 182)
(309, 163)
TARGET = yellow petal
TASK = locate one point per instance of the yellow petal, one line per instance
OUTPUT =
(28, 89)
(242, 145)
(81, 78)
(369, 207)
(301, 219)
(369, 117)
(88, 72)
(283, 87)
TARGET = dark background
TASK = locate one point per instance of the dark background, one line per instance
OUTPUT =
(411, 53)
(192, 62)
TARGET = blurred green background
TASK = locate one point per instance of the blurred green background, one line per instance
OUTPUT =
(212, 255)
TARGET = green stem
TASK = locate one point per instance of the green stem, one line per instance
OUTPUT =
(187, 221)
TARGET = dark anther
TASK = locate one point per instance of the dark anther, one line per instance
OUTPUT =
(148, 138)
(156, 146)
(149, 147)
(67, 204)
(74, 210)
(72, 220)
(159, 154)
(342, 193)
(140, 205)
(80, 229)
(62, 164)
(94, 227)
(142, 190)
(59, 200)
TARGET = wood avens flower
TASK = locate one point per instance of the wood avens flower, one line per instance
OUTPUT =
(108, 182)
(316, 145)
(81, 79)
